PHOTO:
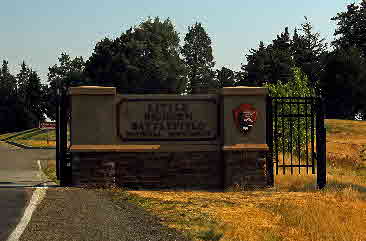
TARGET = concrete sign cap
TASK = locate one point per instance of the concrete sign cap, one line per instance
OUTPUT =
(244, 90)
(92, 90)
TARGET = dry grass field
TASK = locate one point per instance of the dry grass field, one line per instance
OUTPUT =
(292, 210)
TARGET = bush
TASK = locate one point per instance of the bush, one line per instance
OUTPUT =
(290, 136)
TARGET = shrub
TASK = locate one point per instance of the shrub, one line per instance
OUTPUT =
(290, 135)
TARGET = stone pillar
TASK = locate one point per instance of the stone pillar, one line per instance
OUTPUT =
(92, 123)
(244, 139)
(93, 115)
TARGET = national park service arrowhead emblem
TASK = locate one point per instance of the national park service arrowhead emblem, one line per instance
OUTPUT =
(245, 117)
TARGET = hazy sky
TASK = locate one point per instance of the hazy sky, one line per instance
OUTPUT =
(38, 31)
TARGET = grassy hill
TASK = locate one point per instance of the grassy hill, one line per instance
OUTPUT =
(34, 137)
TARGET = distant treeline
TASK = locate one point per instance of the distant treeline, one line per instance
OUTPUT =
(148, 58)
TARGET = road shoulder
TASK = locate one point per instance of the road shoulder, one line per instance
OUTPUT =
(91, 214)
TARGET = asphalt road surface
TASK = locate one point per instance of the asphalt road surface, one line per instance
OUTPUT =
(68, 213)
(19, 172)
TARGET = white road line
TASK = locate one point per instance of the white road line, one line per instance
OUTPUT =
(38, 194)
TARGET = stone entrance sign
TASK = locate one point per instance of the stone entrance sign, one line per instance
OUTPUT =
(159, 118)
(169, 141)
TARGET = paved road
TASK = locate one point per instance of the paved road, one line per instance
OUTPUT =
(18, 173)
(68, 213)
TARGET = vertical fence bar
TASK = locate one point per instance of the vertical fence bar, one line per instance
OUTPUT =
(312, 136)
(283, 136)
(58, 134)
(299, 133)
(276, 135)
(290, 142)
(324, 173)
(306, 136)
(68, 167)
(62, 138)
(269, 164)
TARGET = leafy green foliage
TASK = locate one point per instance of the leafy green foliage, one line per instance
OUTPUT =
(197, 53)
(297, 87)
(8, 85)
(343, 80)
(33, 95)
(290, 135)
(308, 51)
(144, 59)
(275, 61)
(343, 83)
(225, 77)
(22, 78)
(351, 30)
(270, 63)
(69, 72)
(20, 104)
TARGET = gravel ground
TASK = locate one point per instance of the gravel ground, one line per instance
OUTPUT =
(87, 214)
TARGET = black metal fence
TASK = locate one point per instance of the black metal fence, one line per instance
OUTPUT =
(63, 155)
(296, 137)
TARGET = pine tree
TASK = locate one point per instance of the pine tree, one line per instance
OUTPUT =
(33, 94)
(22, 80)
(197, 53)
(8, 85)
(308, 51)
(271, 63)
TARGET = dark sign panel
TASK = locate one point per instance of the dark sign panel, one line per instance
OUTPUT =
(176, 118)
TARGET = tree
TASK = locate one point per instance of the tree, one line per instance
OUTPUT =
(69, 72)
(225, 77)
(258, 67)
(7, 81)
(144, 59)
(343, 83)
(12, 112)
(197, 53)
(308, 51)
(66, 71)
(33, 96)
(270, 63)
(22, 79)
(351, 30)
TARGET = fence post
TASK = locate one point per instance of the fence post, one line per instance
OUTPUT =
(321, 145)
(58, 134)
(269, 137)
(65, 166)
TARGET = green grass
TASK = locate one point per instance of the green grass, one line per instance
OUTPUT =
(50, 171)
(6, 135)
(28, 136)
(50, 134)
(37, 135)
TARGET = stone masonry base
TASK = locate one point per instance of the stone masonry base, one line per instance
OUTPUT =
(202, 170)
